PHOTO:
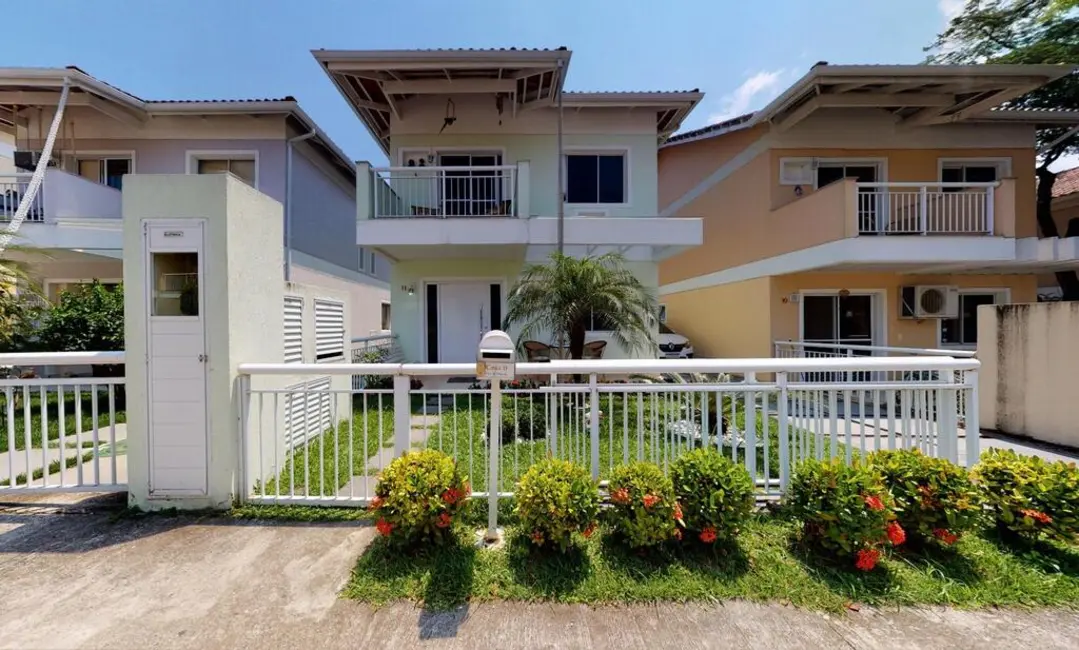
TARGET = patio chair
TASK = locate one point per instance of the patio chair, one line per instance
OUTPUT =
(594, 350)
(536, 351)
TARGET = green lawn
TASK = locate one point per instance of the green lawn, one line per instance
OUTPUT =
(321, 467)
(766, 565)
(53, 412)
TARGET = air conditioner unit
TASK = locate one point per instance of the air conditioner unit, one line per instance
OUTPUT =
(929, 301)
(27, 160)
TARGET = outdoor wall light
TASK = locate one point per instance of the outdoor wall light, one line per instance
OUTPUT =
(409, 288)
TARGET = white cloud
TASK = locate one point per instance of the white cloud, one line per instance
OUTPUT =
(951, 8)
(755, 91)
(1065, 162)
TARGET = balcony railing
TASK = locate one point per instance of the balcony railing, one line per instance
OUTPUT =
(446, 192)
(12, 189)
(926, 208)
(62, 195)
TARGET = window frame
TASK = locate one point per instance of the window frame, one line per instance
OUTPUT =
(1003, 165)
(1001, 296)
(627, 190)
(101, 155)
(386, 316)
(194, 156)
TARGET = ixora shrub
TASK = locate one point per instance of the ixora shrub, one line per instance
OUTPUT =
(715, 494)
(643, 508)
(846, 510)
(1029, 496)
(418, 497)
(934, 498)
(555, 499)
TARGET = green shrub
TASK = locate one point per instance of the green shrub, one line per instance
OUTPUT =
(643, 508)
(1028, 496)
(846, 511)
(715, 494)
(555, 499)
(524, 416)
(418, 497)
(934, 498)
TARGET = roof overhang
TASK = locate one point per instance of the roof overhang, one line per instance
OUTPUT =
(916, 94)
(671, 107)
(23, 88)
(379, 83)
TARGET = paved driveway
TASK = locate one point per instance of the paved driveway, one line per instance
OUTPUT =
(80, 577)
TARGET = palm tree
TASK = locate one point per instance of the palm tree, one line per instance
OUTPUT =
(20, 299)
(564, 296)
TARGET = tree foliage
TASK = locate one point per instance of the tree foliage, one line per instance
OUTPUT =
(88, 319)
(20, 306)
(566, 295)
(1025, 32)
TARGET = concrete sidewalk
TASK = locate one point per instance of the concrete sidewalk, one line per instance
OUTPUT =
(78, 577)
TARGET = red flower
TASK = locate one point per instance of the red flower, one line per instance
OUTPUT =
(1037, 516)
(947, 537)
(443, 520)
(867, 559)
(873, 502)
(376, 503)
(537, 537)
(677, 511)
(451, 496)
(650, 500)
(588, 531)
(896, 534)
(620, 496)
(678, 534)
(384, 527)
(708, 535)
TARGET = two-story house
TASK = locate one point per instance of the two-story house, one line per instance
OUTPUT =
(73, 228)
(865, 205)
(479, 144)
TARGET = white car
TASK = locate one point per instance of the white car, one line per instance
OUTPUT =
(673, 345)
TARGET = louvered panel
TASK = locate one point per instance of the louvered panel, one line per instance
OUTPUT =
(329, 330)
(293, 329)
(307, 411)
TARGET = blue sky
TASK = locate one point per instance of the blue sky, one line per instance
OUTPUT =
(740, 53)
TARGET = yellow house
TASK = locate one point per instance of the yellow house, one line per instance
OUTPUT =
(866, 205)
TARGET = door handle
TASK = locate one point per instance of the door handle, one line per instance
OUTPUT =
(203, 358)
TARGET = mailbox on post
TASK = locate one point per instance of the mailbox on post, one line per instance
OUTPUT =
(496, 358)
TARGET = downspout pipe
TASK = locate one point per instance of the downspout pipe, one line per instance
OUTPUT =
(288, 198)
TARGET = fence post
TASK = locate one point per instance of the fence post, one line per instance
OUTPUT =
(784, 431)
(494, 444)
(402, 414)
(245, 411)
(948, 420)
(554, 403)
(972, 426)
(593, 422)
(989, 209)
(749, 436)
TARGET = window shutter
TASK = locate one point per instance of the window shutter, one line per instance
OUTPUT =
(293, 329)
(307, 412)
(329, 330)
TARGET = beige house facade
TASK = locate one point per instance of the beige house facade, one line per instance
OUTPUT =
(865, 206)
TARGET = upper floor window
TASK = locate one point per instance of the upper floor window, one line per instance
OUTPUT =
(107, 170)
(974, 171)
(596, 178)
(242, 165)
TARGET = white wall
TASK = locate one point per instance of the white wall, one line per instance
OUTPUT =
(365, 293)
(1029, 355)
(243, 312)
(323, 212)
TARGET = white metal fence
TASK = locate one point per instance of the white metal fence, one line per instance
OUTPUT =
(445, 191)
(621, 411)
(62, 434)
(926, 209)
(12, 189)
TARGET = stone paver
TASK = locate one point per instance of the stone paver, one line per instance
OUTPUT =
(75, 577)
(422, 426)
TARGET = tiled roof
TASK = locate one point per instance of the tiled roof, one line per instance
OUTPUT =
(711, 128)
(1067, 182)
(286, 98)
(630, 92)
